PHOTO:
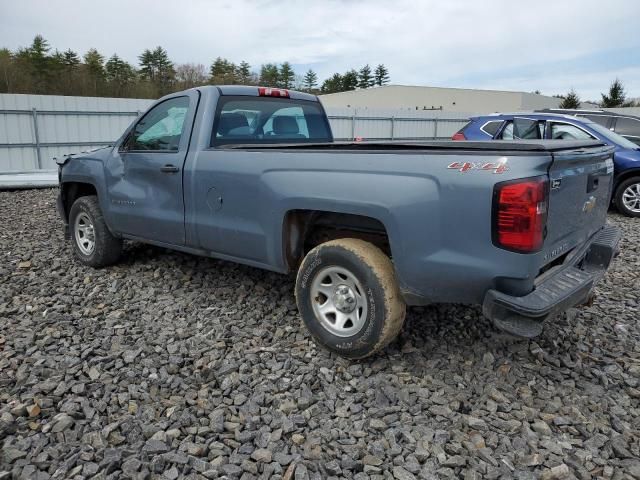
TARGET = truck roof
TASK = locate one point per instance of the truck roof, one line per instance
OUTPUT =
(254, 91)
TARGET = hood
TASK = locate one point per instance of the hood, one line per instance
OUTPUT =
(99, 152)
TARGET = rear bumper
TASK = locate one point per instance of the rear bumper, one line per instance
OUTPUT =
(566, 286)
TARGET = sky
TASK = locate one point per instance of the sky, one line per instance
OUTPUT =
(546, 45)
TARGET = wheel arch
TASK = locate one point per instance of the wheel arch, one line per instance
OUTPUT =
(303, 229)
(624, 176)
(71, 191)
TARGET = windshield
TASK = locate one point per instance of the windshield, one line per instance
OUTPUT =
(614, 137)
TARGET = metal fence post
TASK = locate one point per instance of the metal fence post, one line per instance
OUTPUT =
(393, 127)
(34, 116)
(435, 128)
(353, 127)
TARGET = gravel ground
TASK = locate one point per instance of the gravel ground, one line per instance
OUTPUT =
(172, 366)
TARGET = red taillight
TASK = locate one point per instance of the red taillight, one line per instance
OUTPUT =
(520, 214)
(458, 136)
(273, 92)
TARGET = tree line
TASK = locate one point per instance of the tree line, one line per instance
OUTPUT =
(616, 97)
(39, 69)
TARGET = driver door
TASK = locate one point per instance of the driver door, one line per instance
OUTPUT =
(144, 174)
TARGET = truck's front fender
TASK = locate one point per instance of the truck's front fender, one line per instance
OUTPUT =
(89, 171)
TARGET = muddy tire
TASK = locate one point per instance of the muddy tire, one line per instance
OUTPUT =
(92, 242)
(348, 297)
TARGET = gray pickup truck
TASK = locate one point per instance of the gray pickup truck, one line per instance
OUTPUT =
(252, 175)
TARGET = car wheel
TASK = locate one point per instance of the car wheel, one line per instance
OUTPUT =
(627, 197)
(348, 297)
(92, 242)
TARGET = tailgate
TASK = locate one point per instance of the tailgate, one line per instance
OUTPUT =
(580, 183)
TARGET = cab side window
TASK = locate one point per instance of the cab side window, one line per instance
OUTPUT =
(161, 128)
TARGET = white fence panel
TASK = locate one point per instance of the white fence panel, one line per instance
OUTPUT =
(36, 128)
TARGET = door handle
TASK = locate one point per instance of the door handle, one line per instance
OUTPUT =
(592, 182)
(169, 169)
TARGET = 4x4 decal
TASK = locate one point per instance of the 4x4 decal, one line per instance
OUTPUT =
(497, 167)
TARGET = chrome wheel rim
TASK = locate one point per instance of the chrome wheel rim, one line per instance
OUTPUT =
(338, 301)
(84, 234)
(631, 197)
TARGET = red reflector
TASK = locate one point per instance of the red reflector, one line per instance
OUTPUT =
(273, 92)
(458, 136)
(520, 215)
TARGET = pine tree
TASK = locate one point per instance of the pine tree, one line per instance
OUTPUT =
(166, 72)
(222, 72)
(365, 79)
(310, 80)
(38, 52)
(94, 65)
(286, 76)
(70, 59)
(119, 74)
(350, 80)
(332, 84)
(616, 97)
(7, 70)
(243, 73)
(147, 67)
(572, 100)
(269, 75)
(381, 75)
(37, 63)
(94, 62)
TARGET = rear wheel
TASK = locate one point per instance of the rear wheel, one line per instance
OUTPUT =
(92, 242)
(348, 297)
(627, 197)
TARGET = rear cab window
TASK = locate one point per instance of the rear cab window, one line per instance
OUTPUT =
(265, 120)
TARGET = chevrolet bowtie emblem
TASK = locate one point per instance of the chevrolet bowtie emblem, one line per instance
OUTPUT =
(589, 204)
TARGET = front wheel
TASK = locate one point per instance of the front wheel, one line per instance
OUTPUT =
(348, 297)
(627, 197)
(92, 242)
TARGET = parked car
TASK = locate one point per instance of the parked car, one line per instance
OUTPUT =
(522, 125)
(252, 175)
(625, 125)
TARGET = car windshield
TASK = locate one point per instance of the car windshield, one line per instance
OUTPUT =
(619, 140)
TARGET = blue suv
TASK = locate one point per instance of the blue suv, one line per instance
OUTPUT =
(516, 126)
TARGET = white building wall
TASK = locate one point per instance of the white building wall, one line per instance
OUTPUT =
(411, 98)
